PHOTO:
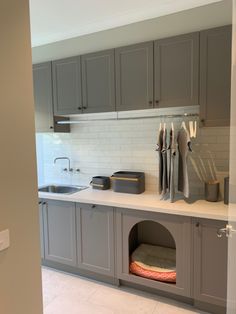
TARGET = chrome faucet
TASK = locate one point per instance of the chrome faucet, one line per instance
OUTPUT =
(66, 158)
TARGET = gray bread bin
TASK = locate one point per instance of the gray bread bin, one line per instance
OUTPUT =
(128, 182)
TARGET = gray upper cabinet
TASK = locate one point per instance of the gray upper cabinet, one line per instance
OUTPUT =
(42, 80)
(210, 262)
(95, 238)
(59, 232)
(134, 77)
(176, 71)
(67, 95)
(98, 81)
(215, 76)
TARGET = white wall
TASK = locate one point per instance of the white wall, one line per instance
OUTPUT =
(20, 276)
(103, 147)
(204, 17)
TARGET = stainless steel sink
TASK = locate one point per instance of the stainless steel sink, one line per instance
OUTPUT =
(62, 189)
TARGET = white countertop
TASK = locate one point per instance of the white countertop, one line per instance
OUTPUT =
(147, 201)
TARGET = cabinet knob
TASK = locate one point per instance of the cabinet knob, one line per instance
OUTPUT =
(150, 102)
(197, 224)
(51, 127)
(44, 203)
(202, 121)
(93, 206)
(79, 108)
(84, 107)
(40, 203)
(157, 102)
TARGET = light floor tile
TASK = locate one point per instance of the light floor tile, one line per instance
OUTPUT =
(168, 306)
(122, 301)
(56, 284)
(67, 304)
(68, 294)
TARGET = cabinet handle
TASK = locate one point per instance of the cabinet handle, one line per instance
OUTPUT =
(227, 231)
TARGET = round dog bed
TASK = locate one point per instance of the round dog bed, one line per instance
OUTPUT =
(154, 262)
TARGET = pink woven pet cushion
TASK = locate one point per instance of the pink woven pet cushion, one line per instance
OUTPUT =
(154, 262)
(160, 276)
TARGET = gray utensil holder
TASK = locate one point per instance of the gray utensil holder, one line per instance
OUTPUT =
(212, 191)
(226, 190)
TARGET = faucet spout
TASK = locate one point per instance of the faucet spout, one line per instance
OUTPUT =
(64, 158)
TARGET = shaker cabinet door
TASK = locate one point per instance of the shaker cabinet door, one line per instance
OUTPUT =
(176, 71)
(67, 95)
(210, 262)
(215, 76)
(98, 81)
(41, 229)
(95, 238)
(134, 77)
(42, 80)
(59, 232)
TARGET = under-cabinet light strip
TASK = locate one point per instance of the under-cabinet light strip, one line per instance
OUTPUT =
(131, 118)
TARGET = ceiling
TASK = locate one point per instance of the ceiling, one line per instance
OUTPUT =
(55, 20)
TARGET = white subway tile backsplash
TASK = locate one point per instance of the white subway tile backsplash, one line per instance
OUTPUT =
(103, 147)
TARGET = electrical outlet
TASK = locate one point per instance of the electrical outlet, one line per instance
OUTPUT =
(4, 240)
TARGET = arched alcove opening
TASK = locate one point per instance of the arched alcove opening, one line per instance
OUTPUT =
(152, 252)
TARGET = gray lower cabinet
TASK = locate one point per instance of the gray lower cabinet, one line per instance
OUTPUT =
(134, 77)
(42, 80)
(215, 76)
(98, 81)
(95, 238)
(59, 232)
(41, 229)
(176, 71)
(136, 227)
(67, 89)
(210, 262)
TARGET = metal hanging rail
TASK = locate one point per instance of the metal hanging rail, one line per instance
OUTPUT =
(184, 115)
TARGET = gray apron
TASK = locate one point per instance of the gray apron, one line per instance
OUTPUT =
(159, 149)
(183, 140)
(164, 163)
(172, 154)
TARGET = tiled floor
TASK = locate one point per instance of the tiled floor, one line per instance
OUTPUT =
(68, 294)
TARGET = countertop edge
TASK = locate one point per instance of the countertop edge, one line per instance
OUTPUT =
(144, 202)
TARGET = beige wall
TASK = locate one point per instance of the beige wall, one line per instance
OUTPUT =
(20, 278)
(233, 109)
(232, 206)
(187, 21)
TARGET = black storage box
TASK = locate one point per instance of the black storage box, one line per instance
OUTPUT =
(128, 182)
(100, 183)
